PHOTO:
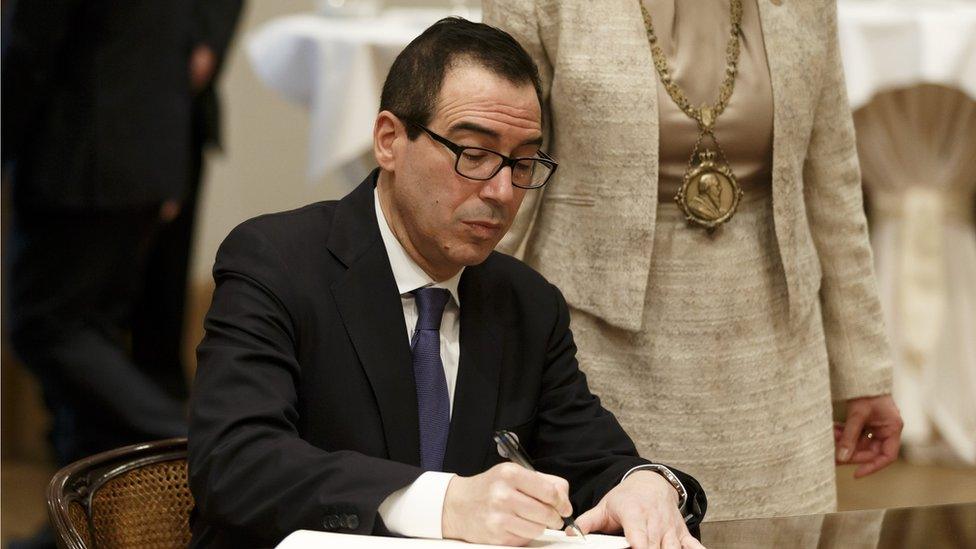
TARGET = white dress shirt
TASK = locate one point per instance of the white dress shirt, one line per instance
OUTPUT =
(416, 510)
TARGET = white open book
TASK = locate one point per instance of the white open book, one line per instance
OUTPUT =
(552, 539)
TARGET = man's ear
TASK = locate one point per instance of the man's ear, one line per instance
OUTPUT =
(386, 131)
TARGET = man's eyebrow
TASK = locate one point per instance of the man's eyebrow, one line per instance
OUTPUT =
(478, 128)
(472, 127)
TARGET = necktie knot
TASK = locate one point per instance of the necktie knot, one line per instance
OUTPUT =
(430, 307)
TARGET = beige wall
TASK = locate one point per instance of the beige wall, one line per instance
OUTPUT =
(262, 166)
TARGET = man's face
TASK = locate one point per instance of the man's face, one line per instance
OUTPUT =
(450, 220)
(710, 185)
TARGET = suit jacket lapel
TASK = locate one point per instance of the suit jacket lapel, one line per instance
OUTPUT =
(476, 392)
(370, 307)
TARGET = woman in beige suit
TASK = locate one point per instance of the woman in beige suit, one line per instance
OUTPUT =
(720, 326)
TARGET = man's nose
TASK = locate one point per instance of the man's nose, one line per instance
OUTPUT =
(499, 188)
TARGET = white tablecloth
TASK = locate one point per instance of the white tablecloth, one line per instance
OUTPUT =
(335, 67)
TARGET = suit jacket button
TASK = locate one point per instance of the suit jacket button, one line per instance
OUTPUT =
(352, 521)
(330, 522)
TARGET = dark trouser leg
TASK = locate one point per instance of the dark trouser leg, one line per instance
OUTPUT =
(72, 278)
(158, 318)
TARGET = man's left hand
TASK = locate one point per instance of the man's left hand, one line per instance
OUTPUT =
(203, 64)
(871, 435)
(645, 506)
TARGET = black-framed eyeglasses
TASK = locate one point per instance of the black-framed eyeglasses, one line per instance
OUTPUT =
(482, 164)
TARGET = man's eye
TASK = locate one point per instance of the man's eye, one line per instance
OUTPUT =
(473, 156)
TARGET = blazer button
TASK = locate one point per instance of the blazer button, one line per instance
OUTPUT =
(330, 522)
(352, 521)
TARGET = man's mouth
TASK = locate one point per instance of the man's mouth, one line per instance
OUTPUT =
(485, 228)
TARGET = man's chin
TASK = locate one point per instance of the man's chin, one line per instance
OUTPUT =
(474, 255)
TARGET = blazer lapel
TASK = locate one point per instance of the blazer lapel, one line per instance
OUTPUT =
(370, 307)
(789, 46)
(778, 57)
(476, 392)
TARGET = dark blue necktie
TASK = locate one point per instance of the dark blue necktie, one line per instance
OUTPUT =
(433, 404)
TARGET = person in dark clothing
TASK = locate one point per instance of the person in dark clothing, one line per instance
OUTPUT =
(98, 139)
(361, 354)
(158, 321)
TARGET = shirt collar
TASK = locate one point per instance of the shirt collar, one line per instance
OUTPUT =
(407, 274)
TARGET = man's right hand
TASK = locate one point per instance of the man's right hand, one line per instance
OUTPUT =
(505, 505)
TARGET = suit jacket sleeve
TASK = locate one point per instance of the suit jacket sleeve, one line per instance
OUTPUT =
(250, 470)
(857, 347)
(518, 18)
(579, 440)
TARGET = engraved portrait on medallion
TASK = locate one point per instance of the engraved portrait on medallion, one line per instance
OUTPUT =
(710, 193)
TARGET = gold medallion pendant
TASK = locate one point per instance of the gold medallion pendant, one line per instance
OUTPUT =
(710, 194)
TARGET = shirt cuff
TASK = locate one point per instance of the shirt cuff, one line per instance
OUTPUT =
(682, 493)
(415, 510)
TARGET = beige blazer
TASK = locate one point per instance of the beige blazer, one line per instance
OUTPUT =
(591, 230)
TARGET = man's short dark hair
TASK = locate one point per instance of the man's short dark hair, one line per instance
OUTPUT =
(414, 81)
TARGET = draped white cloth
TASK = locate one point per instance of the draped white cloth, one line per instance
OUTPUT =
(890, 44)
(336, 66)
(917, 148)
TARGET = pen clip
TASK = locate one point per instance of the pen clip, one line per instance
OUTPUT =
(508, 446)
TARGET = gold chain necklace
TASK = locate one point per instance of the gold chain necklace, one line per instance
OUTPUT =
(710, 193)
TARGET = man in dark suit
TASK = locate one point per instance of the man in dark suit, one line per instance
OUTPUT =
(97, 100)
(360, 354)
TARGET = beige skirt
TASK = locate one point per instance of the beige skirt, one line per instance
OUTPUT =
(718, 384)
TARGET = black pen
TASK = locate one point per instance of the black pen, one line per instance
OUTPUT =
(509, 448)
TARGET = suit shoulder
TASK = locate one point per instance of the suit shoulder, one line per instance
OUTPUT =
(307, 222)
(269, 239)
(507, 269)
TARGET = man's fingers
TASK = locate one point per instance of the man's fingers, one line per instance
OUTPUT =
(669, 541)
(534, 510)
(548, 489)
(169, 210)
(521, 528)
(852, 430)
(592, 520)
(689, 542)
(203, 62)
(637, 528)
(554, 491)
(662, 529)
(636, 536)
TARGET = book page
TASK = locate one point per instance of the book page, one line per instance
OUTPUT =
(551, 539)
